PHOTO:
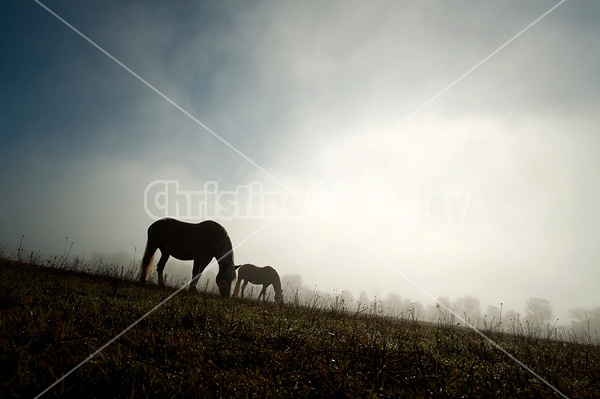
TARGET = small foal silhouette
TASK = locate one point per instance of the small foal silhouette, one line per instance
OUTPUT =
(259, 275)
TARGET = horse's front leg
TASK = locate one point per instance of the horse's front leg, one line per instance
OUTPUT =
(199, 266)
(262, 293)
(160, 267)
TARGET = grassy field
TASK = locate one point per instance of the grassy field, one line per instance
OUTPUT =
(200, 345)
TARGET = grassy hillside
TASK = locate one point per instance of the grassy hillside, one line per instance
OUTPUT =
(204, 346)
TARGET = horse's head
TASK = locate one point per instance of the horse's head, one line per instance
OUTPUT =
(225, 277)
(279, 297)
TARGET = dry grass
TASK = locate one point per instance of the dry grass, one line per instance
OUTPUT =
(200, 345)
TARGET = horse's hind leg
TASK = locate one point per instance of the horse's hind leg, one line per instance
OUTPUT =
(160, 267)
(199, 266)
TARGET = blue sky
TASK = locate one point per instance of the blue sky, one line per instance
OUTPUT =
(300, 88)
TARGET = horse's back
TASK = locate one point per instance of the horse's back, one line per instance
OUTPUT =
(186, 241)
(256, 274)
(177, 228)
(177, 225)
(246, 269)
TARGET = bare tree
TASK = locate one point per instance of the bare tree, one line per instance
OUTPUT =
(538, 311)
(444, 300)
(393, 302)
(585, 319)
(363, 299)
(468, 305)
(347, 297)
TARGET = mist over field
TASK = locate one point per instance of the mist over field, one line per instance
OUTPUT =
(490, 191)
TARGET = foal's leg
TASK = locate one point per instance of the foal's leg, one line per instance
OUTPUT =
(160, 267)
(236, 291)
(244, 287)
(199, 266)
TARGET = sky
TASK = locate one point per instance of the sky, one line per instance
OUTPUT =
(486, 187)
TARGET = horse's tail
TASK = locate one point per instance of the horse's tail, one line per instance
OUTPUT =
(147, 260)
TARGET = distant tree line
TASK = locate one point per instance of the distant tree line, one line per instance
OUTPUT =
(537, 312)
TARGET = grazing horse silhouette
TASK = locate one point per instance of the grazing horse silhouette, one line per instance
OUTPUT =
(186, 241)
(259, 275)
